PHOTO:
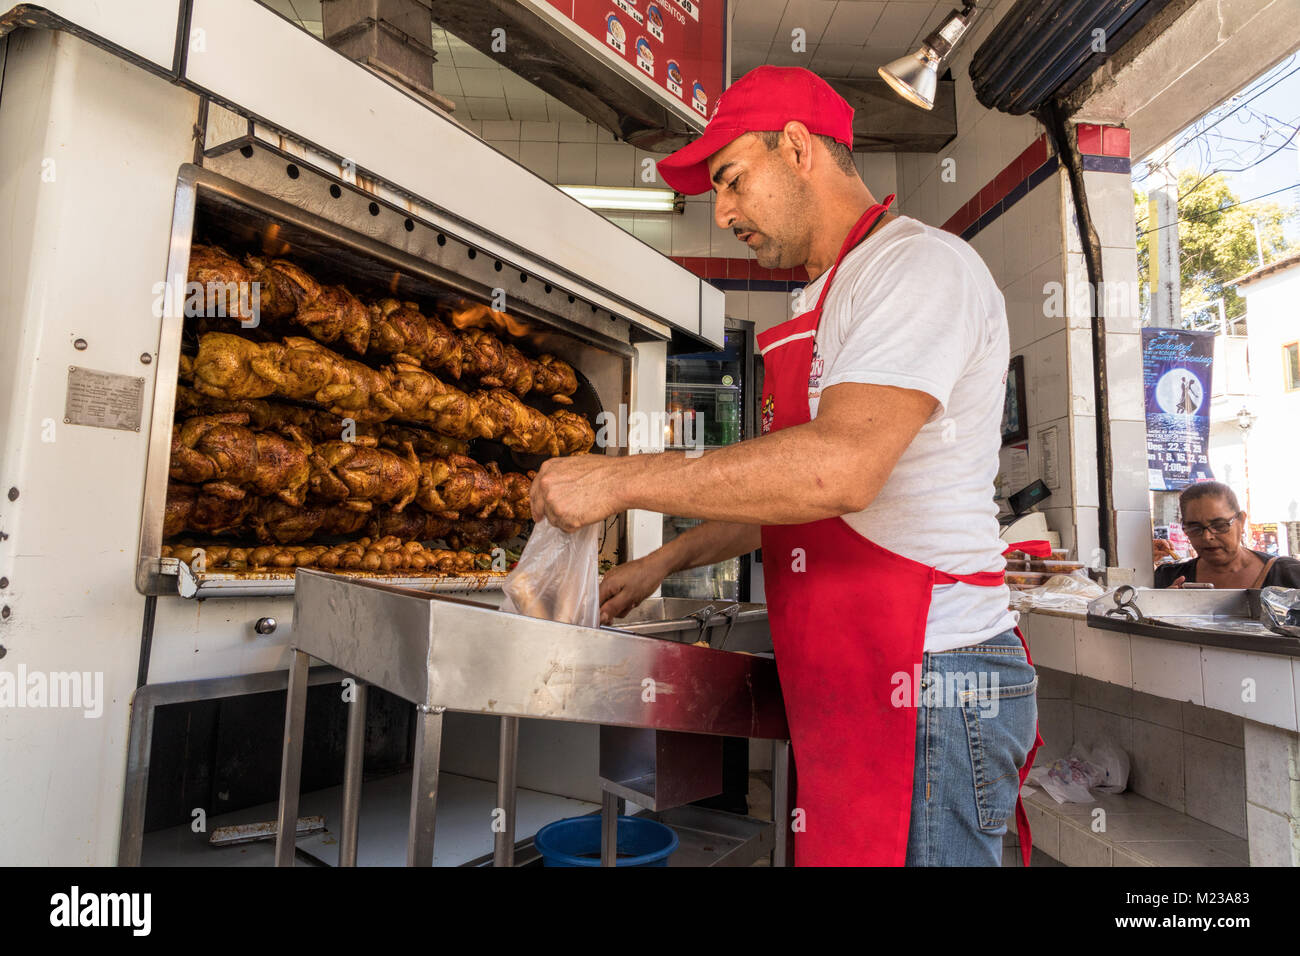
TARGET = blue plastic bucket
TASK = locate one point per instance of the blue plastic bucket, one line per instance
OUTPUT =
(576, 842)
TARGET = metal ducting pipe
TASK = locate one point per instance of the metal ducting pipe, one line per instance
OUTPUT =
(1045, 48)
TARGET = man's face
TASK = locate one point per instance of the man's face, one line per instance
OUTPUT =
(762, 201)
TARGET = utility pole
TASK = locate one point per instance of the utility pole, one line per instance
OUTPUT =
(1162, 225)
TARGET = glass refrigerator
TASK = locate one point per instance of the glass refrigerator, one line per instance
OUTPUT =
(711, 402)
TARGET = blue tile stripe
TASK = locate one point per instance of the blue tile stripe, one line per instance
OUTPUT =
(1107, 164)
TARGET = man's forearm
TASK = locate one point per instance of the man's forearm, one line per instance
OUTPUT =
(789, 477)
(835, 464)
(707, 544)
(830, 466)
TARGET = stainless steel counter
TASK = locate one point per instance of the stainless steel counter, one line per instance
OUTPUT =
(1211, 617)
(450, 654)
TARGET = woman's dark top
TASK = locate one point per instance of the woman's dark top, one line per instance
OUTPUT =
(1285, 572)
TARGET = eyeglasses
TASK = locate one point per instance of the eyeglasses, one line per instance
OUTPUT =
(1218, 526)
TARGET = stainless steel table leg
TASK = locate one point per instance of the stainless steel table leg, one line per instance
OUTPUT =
(504, 839)
(424, 786)
(353, 764)
(295, 719)
(608, 828)
(782, 804)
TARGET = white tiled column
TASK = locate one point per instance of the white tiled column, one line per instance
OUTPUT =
(1110, 203)
(1272, 795)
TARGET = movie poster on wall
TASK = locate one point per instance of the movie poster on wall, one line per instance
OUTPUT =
(677, 46)
(1176, 380)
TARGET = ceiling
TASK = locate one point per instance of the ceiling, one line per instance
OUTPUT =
(842, 37)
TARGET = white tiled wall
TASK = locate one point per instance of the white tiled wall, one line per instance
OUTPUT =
(1258, 687)
(1028, 250)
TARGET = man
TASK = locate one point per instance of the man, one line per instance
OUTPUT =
(870, 492)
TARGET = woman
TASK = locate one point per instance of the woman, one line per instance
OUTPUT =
(1214, 522)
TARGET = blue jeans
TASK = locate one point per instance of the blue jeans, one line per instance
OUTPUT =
(977, 716)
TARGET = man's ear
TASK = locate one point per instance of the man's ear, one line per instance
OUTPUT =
(800, 139)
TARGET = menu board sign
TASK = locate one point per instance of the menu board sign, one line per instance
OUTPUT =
(678, 47)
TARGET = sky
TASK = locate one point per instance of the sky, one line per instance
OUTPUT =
(1249, 140)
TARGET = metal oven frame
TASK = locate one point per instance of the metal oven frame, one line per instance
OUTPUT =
(416, 257)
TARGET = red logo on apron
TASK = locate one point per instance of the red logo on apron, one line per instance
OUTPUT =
(769, 413)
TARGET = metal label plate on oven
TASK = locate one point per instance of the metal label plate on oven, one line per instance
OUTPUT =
(103, 399)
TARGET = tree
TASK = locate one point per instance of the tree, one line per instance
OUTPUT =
(1216, 239)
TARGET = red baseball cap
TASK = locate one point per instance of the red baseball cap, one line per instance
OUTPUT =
(765, 98)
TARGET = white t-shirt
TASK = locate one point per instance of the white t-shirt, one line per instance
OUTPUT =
(915, 307)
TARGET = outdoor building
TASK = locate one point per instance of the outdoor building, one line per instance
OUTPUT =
(1267, 478)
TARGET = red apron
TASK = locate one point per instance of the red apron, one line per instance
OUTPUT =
(847, 616)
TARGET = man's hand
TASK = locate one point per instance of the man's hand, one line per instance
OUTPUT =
(627, 585)
(572, 493)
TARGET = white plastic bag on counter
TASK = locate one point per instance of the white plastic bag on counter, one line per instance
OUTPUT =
(1070, 779)
(556, 577)
(1112, 759)
(1073, 591)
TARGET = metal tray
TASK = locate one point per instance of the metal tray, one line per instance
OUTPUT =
(729, 626)
(1210, 616)
(210, 584)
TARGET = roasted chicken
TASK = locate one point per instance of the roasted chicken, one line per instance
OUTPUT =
(467, 342)
(227, 287)
(410, 525)
(224, 368)
(554, 377)
(229, 367)
(336, 314)
(362, 476)
(380, 437)
(482, 532)
(190, 508)
(229, 460)
(398, 329)
(518, 425)
(421, 396)
(283, 286)
(573, 432)
(515, 503)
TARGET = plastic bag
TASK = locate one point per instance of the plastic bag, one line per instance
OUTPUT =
(556, 577)
(1073, 591)
(1069, 779)
(1114, 762)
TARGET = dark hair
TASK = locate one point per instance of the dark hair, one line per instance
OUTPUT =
(842, 155)
(1208, 489)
